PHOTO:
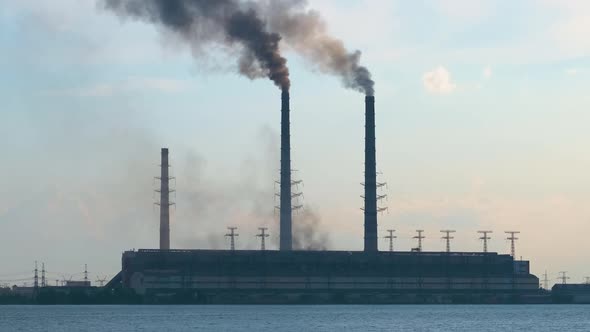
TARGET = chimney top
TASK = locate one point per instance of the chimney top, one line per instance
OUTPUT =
(285, 100)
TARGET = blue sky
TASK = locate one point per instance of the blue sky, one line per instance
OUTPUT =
(482, 112)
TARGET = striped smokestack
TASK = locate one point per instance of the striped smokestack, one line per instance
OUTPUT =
(164, 202)
(370, 177)
(286, 236)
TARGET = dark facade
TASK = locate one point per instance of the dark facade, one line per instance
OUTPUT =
(571, 293)
(217, 276)
(370, 207)
(286, 236)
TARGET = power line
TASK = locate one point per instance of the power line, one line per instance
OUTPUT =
(65, 279)
(15, 274)
(15, 280)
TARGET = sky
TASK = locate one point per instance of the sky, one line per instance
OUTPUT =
(482, 112)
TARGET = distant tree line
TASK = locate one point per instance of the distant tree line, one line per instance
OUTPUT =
(48, 296)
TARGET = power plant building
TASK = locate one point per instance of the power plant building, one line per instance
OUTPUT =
(292, 276)
(244, 276)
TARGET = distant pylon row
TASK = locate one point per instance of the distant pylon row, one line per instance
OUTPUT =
(44, 282)
(562, 277)
(419, 236)
(447, 237)
(232, 237)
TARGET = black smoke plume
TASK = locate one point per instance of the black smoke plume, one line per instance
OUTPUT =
(257, 27)
(306, 32)
(231, 23)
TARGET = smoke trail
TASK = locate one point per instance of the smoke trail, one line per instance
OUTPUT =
(306, 32)
(231, 22)
(227, 22)
(306, 232)
(210, 203)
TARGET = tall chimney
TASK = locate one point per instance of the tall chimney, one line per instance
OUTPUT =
(286, 238)
(370, 177)
(164, 202)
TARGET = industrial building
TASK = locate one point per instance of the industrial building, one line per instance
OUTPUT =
(571, 293)
(289, 276)
(244, 276)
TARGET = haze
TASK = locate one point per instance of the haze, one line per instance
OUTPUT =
(482, 123)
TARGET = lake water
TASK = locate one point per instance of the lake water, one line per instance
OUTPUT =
(530, 318)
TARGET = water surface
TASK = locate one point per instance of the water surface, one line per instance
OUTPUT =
(530, 318)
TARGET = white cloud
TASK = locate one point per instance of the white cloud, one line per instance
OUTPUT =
(487, 72)
(438, 81)
(572, 71)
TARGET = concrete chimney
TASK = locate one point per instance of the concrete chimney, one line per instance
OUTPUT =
(286, 237)
(370, 177)
(164, 202)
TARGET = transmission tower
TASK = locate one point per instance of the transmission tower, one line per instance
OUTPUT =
(485, 239)
(382, 189)
(563, 277)
(85, 274)
(101, 281)
(66, 279)
(232, 235)
(36, 277)
(290, 199)
(263, 235)
(43, 282)
(296, 195)
(419, 237)
(512, 240)
(448, 238)
(390, 237)
(545, 281)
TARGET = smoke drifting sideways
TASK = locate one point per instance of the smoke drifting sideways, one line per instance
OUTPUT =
(306, 32)
(230, 23)
(256, 29)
